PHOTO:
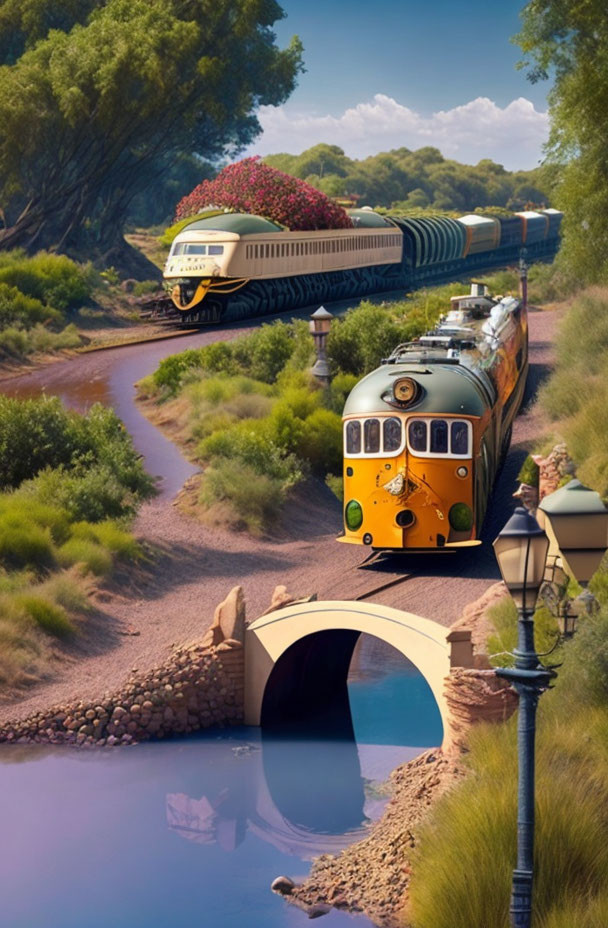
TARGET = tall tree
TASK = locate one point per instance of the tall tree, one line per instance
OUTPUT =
(568, 41)
(95, 106)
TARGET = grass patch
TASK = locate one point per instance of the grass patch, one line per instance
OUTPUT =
(576, 395)
(50, 617)
(477, 820)
(71, 485)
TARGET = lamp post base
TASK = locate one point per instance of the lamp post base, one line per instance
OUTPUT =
(521, 899)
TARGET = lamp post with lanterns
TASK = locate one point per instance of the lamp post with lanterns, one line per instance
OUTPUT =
(573, 531)
(521, 551)
(320, 324)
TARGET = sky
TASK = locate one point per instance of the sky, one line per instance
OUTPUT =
(384, 74)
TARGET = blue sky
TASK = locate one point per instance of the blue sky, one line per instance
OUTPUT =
(384, 73)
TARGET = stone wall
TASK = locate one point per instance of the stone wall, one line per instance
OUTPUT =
(200, 685)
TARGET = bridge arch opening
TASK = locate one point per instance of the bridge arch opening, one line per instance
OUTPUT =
(297, 660)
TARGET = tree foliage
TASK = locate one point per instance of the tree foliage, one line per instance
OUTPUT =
(569, 42)
(407, 180)
(98, 98)
(250, 186)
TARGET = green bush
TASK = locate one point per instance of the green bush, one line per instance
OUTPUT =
(91, 555)
(16, 307)
(51, 618)
(321, 442)
(253, 499)
(110, 536)
(25, 546)
(90, 493)
(40, 433)
(55, 280)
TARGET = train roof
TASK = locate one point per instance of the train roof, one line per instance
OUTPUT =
(447, 387)
(366, 218)
(237, 223)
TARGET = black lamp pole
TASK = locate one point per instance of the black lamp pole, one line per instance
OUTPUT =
(530, 679)
(521, 551)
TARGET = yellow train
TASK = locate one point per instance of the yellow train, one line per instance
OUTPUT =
(426, 432)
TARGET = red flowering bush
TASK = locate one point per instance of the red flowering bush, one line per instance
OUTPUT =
(250, 186)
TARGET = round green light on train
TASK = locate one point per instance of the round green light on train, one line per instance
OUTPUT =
(461, 517)
(353, 515)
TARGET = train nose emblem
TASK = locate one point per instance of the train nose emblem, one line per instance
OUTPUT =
(395, 486)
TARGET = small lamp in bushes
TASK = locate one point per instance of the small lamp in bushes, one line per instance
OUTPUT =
(320, 325)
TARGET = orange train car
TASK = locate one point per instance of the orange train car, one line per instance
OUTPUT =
(426, 432)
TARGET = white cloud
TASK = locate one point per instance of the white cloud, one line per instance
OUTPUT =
(513, 135)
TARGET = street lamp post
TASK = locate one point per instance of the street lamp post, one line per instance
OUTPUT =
(521, 551)
(320, 325)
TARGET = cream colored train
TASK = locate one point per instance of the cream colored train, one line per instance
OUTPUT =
(235, 265)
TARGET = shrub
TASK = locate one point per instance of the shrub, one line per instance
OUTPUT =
(110, 536)
(93, 494)
(16, 307)
(251, 186)
(339, 389)
(321, 442)
(253, 499)
(25, 546)
(51, 618)
(91, 555)
(40, 433)
(55, 280)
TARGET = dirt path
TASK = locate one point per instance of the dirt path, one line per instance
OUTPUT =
(172, 599)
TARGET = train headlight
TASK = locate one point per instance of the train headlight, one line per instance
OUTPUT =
(461, 517)
(462, 471)
(405, 391)
(353, 515)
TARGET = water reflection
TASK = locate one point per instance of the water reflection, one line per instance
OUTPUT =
(192, 832)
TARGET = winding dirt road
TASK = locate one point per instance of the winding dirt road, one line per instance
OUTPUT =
(170, 601)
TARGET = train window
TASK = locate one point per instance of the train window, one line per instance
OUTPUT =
(195, 249)
(216, 249)
(417, 435)
(353, 437)
(439, 436)
(371, 436)
(459, 443)
(391, 432)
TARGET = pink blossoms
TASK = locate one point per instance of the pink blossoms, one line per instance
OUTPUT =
(250, 186)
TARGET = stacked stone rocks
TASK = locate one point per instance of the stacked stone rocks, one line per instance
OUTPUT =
(198, 686)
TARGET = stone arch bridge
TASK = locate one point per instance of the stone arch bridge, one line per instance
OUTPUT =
(297, 658)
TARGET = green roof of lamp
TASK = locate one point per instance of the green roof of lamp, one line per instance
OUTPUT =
(576, 522)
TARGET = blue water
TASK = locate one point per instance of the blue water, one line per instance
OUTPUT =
(191, 833)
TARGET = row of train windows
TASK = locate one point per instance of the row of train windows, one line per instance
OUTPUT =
(323, 247)
(427, 437)
(187, 248)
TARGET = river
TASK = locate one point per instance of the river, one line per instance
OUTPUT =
(192, 832)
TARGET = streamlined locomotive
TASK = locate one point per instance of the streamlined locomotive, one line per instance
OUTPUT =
(426, 432)
(230, 266)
